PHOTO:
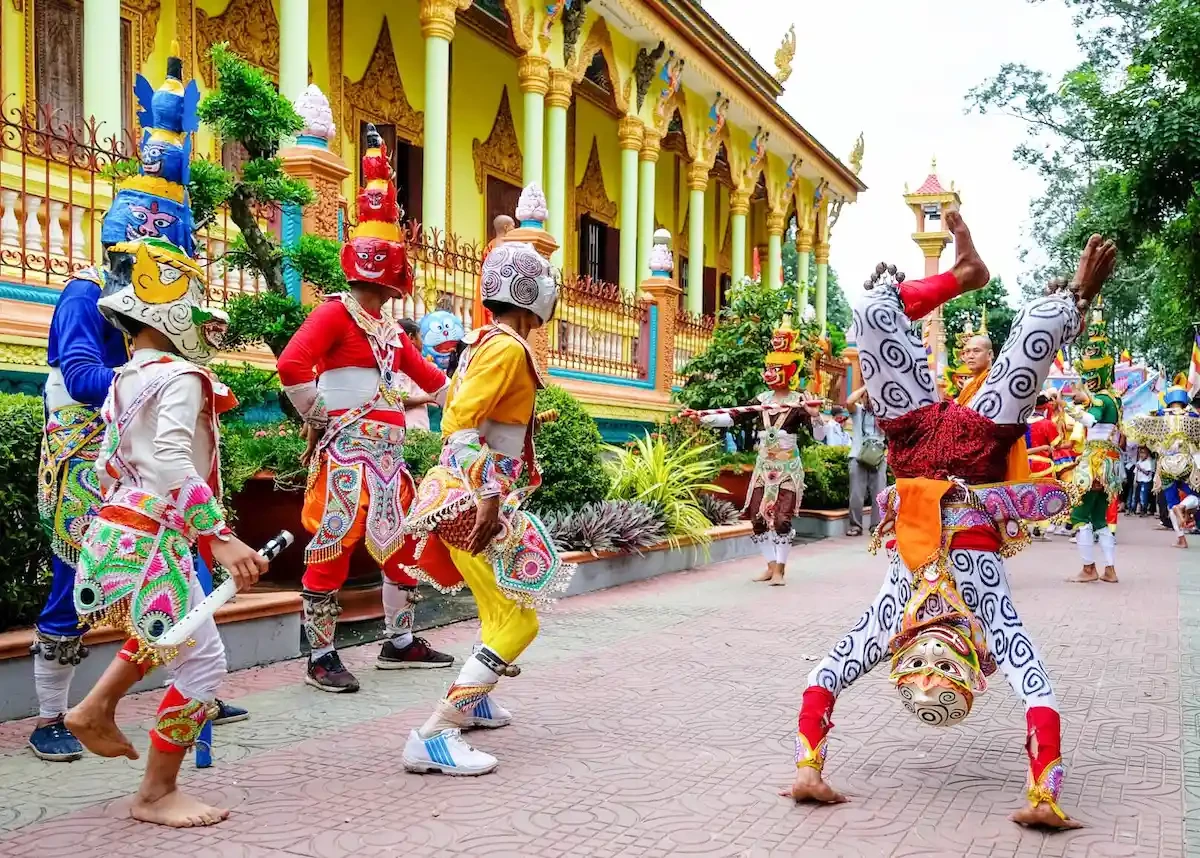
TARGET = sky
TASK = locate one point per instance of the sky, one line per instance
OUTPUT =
(899, 73)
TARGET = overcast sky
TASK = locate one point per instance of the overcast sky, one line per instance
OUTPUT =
(898, 71)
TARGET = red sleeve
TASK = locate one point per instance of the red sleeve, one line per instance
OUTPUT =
(324, 326)
(410, 362)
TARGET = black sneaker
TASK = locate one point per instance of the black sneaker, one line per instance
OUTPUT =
(418, 654)
(55, 743)
(329, 674)
(227, 713)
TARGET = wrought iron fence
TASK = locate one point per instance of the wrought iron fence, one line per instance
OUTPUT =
(55, 187)
(597, 329)
(693, 333)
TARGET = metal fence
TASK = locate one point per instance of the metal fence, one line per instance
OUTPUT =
(693, 333)
(597, 329)
(54, 192)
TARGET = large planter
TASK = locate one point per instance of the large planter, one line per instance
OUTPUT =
(262, 510)
(735, 479)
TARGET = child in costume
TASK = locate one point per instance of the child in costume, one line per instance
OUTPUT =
(1173, 434)
(944, 613)
(468, 512)
(777, 484)
(344, 370)
(1098, 476)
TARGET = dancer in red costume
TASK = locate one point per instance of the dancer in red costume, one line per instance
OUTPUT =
(344, 371)
(945, 614)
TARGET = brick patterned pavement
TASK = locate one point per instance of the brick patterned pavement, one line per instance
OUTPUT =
(657, 719)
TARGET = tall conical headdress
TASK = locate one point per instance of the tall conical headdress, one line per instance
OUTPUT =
(376, 252)
(1095, 365)
(154, 203)
(786, 359)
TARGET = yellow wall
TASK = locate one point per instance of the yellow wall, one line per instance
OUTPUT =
(12, 65)
(591, 123)
(318, 43)
(479, 71)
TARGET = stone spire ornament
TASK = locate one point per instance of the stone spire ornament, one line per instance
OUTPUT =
(531, 216)
(662, 262)
(314, 109)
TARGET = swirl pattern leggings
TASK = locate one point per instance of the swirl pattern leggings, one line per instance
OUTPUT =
(983, 585)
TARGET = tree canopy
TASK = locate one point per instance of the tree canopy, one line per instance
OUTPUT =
(1117, 141)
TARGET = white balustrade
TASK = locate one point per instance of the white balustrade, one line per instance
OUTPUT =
(54, 228)
(33, 230)
(79, 249)
(10, 227)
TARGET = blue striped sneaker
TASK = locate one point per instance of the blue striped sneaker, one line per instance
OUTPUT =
(446, 753)
(487, 715)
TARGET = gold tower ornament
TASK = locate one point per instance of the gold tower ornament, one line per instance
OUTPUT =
(785, 55)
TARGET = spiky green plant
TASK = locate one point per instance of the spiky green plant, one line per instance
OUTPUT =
(609, 525)
(669, 478)
(719, 512)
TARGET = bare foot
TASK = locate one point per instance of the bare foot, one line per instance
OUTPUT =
(810, 786)
(1181, 542)
(968, 269)
(97, 731)
(1086, 576)
(767, 575)
(1110, 575)
(777, 578)
(1043, 816)
(176, 810)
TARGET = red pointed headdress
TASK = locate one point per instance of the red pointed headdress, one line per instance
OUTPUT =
(376, 252)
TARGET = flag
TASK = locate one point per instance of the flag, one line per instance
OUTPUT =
(1126, 357)
(1194, 372)
(1060, 363)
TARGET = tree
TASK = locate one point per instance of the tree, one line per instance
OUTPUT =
(1118, 142)
(837, 308)
(729, 371)
(967, 311)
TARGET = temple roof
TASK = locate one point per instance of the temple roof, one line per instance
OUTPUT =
(931, 185)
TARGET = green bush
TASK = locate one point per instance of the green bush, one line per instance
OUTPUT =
(568, 453)
(421, 451)
(24, 546)
(826, 477)
(249, 448)
(252, 387)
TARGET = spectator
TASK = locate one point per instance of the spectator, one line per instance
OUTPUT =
(836, 425)
(1143, 478)
(868, 461)
(417, 401)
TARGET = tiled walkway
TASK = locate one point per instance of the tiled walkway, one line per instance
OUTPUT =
(657, 719)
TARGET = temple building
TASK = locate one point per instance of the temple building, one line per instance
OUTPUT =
(633, 115)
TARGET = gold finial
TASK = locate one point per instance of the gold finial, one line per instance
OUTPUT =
(174, 48)
(856, 155)
(785, 55)
(933, 165)
(983, 323)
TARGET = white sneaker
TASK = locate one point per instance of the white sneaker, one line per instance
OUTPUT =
(446, 753)
(488, 715)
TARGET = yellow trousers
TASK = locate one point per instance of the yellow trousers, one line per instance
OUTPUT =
(508, 628)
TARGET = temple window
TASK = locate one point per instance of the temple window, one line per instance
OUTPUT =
(599, 250)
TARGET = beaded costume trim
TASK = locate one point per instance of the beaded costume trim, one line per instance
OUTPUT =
(68, 485)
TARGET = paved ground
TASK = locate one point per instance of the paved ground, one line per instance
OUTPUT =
(657, 719)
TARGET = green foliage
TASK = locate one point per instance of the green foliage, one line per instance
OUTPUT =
(24, 546)
(250, 448)
(668, 478)
(1117, 142)
(265, 318)
(267, 184)
(240, 257)
(251, 385)
(719, 512)
(735, 461)
(967, 311)
(826, 477)
(568, 453)
(123, 169)
(729, 371)
(246, 106)
(608, 525)
(837, 307)
(318, 260)
(209, 187)
(421, 451)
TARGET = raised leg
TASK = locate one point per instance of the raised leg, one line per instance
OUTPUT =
(982, 581)
(94, 720)
(895, 367)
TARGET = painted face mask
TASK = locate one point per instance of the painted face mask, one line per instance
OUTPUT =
(376, 253)
(441, 332)
(938, 674)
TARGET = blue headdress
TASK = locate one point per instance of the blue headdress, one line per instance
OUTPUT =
(154, 203)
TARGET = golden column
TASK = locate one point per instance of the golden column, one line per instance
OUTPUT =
(929, 204)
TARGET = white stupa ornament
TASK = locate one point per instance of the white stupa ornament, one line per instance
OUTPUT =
(662, 263)
(313, 107)
(531, 208)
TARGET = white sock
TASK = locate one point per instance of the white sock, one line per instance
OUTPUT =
(781, 552)
(1083, 539)
(446, 716)
(53, 683)
(318, 653)
(1108, 547)
(397, 614)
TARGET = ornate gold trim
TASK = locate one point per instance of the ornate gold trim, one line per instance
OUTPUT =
(335, 18)
(379, 95)
(185, 25)
(533, 74)
(251, 29)
(599, 39)
(590, 195)
(500, 154)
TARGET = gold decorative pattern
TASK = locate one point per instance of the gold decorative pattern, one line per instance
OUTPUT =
(143, 14)
(437, 19)
(379, 95)
(334, 21)
(251, 29)
(500, 154)
(590, 195)
(785, 55)
(562, 85)
(523, 36)
(739, 202)
(599, 39)
(856, 154)
(697, 178)
(651, 145)
(533, 74)
(22, 355)
(630, 132)
(184, 26)
(775, 222)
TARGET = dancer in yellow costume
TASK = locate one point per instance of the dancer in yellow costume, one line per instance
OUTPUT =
(467, 512)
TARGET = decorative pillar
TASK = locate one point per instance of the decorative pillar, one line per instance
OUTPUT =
(665, 293)
(532, 215)
(558, 101)
(101, 71)
(821, 253)
(629, 136)
(647, 169)
(293, 47)
(437, 26)
(804, 246)
(697, 184)
(320, 169)
(739, 207)
(533, 76)
(775, 249)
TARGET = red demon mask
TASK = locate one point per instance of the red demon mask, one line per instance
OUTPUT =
(374, 260)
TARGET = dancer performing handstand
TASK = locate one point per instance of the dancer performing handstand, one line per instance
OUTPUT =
(944, 613)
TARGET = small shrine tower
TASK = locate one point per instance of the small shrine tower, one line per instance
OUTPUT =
(929, 204)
